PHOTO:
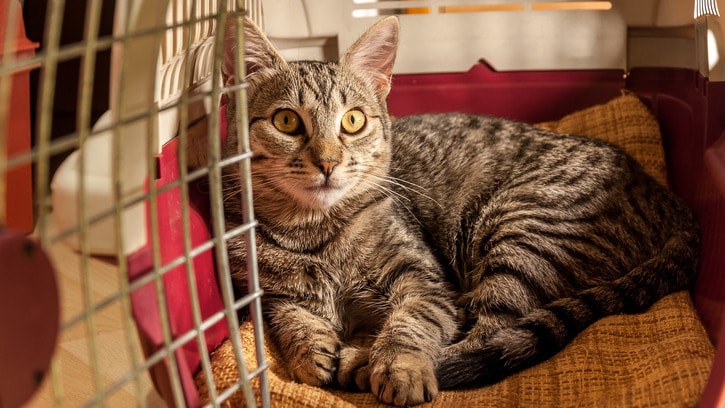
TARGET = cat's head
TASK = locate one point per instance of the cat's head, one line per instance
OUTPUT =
(319, 132)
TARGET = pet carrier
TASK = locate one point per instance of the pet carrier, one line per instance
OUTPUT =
(121, 294)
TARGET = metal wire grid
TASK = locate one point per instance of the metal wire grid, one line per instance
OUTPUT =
(87, 316)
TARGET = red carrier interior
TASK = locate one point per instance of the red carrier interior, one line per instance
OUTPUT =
(689, 108)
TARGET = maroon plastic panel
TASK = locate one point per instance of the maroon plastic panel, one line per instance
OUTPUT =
(691, 114)
(714, 394)
(529, 96)
(690, 110)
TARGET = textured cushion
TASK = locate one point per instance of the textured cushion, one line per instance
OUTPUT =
(624, 121)
(658, 358)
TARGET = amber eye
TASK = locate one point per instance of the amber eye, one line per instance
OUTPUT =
(288, 121)
(353, 121)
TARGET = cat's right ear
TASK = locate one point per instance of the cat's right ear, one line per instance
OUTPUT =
(372, 56)
(259, 53)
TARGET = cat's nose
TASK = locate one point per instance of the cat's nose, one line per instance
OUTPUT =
(327, 166)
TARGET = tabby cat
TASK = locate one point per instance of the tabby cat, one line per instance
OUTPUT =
(403, 256)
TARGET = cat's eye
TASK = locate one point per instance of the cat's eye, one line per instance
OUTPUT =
(288, 121)
(353, 121)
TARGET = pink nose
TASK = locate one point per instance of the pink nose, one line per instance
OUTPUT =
(327, 166)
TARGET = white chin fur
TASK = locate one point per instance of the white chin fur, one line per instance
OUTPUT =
(320, 198)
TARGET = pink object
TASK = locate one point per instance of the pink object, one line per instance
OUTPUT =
(176, 287)
(688, 107)
(29, 317)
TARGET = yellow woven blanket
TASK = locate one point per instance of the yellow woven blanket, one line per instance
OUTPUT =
(658, 358)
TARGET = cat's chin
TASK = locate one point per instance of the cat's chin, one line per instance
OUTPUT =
(321, 197)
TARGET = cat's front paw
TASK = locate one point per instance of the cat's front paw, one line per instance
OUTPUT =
(406, 379)
(316, 361)
(354, 371)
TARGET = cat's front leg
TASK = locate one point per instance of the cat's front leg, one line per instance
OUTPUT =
(309, 343)
(402, 359)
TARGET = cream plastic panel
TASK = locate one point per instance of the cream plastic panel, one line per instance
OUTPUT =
(510, 34)
(147, 76)
(656, 13)
(440, 36)
(304, 29)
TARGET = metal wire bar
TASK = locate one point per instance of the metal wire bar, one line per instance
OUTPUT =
(186, 227)
(243, 147)
(49, 67)
(70, 141)
(124, 200)
(180, 341)
(127, 288)
(167, 267)
(85, 93)
(153, 194)
(158, 263)
(123, 273)
(75, 50)
(217, 211)
(67, 52)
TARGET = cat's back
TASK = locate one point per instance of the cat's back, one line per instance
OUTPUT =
(453, 144)
(455, 158)
(459, 172)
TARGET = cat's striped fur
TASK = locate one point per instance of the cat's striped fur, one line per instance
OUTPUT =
(438, 251)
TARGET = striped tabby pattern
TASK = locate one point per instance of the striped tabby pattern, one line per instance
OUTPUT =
(405, 256)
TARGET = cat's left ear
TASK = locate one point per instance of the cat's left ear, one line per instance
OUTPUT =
(259, 53)
(372, 56)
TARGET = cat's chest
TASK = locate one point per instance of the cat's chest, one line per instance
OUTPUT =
(342, 241)
(361, 308)
(336, 277)
(301, 262)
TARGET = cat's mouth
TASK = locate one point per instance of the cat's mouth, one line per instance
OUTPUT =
(325, 192)
(323, 188)
(323, 195)
(325, 185)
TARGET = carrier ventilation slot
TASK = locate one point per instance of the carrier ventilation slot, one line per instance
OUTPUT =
(706, 7)
(374, 8)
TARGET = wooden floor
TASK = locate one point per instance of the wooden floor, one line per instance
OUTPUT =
(114, 347)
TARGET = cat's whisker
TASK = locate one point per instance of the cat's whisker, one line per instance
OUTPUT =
(401, 180)
(394, 195)
(401, 183)
(389, 191)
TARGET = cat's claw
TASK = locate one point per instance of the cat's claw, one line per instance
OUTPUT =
(407, 380)
(317, 366)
